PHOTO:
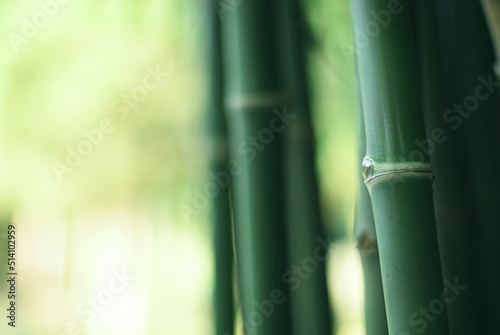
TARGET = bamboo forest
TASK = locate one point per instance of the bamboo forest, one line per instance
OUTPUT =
(250, 167)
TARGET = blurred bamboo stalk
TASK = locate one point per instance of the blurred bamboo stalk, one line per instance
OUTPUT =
(456, 229)
(222, 235)
(256, 112)
(397, 173)
(309, 297)
(469, 58)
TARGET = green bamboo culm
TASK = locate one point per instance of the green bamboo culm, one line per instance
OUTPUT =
(221, 216)
(474, 89)
(454, 218)
(366, 241)
(256, 111)
(397, 173)
(311, 313)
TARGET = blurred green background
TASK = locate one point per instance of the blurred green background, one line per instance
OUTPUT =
(118, 208)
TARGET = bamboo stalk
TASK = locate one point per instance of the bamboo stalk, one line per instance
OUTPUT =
(310, 307)
(398, 178)
(254, 89)
(222, 235)
(456, 229)
(366, 241)
(471, 58)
